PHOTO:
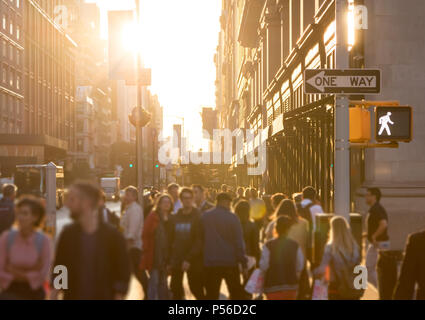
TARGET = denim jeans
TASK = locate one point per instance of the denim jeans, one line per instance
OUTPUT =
(158, 287)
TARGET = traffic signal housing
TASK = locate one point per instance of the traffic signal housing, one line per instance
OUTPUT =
(359, 125)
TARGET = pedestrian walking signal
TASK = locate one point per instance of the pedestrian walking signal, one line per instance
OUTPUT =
(393, 123)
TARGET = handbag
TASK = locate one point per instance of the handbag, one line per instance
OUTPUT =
(320, 290)
(255, 283)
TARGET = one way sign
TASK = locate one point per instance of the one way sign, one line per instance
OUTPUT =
(350, 81)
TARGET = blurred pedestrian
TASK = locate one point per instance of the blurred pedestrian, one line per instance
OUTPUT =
(132, 225)
(7, 207)
(224, 249)
(250, 234)
(282, 262)
(258, 209)
(173, 190)
(186, 254)
(200, 198)
(341, 255)
(25, 254)
(95, 254)
(412, 270)
(377, 232)
(309, 207)
(240, 196)
(106, 215)
(276, 199)
(156, 248)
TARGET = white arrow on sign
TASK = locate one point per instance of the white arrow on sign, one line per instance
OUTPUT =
(322, 81)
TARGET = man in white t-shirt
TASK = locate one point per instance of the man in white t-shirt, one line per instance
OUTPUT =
(309, 201)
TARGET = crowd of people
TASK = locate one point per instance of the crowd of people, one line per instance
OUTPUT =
(207, 235)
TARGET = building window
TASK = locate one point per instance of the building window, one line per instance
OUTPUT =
(4, 22)
(18, 82)
(11, 28)
(18, 32)
(4, 48)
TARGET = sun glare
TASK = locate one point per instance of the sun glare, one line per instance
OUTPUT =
(131, 37)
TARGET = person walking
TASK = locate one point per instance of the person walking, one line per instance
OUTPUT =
(282, 262)
(200, 198)
(341, 255)
(173, 190)
(132, 225)
(224, 249)
(240, 196)
(377, 232)
(258, 209)
(94, 254)
(25, 254)
(106, 215)
(251, 237)
(7, 207)
(156, 248)
(186, 255)
(413, 269)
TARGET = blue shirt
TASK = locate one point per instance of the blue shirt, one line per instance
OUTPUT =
(223, 240)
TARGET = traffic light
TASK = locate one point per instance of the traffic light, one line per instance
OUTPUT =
(131, 165)
(393, 123)
(359, 124)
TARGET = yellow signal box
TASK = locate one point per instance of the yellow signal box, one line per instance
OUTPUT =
(359, 125)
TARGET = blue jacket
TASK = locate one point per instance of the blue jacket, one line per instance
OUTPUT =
(223, 243)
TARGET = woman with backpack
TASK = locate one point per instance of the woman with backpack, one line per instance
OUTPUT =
(25, 254)
(282, 262)
(341, 255)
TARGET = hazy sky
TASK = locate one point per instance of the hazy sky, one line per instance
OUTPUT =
(180, 38)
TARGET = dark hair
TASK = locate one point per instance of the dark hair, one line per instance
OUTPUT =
(8, 190)
(277, 198)
(375, 192)
(185, 190)
(36, 207)
(283, 224)
(198, 186)
(224, 196)
(90, 191)
(287, 208)
(297, 197)
(242, 210)
(309, 193)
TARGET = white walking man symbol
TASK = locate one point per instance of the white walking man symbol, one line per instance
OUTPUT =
(384, 121)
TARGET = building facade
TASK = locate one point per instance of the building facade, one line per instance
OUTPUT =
(41, 119)
(264, 48)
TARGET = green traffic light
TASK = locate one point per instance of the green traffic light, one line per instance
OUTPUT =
(131, 166)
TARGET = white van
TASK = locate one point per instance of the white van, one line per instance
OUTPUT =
(111, 187)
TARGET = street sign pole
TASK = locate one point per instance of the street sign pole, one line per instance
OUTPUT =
(342, 118)
(139, 129)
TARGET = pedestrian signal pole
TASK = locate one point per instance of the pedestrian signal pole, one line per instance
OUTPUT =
(341, 117)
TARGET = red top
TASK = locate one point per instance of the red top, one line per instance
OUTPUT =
(148, 237)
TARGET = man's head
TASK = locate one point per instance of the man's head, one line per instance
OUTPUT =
(199, 193)
(131, 195)
(186, 197)
(309, 193)
(224, 188)
(276, 199)
(224, 200)
(173, 190)
(9, 191)
(373, 195)
(241, 192)
(82, 199)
